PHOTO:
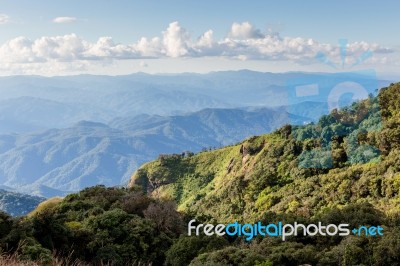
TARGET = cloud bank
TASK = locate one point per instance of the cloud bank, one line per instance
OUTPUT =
(243, 42)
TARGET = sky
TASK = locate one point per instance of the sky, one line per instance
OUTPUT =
(122, 37)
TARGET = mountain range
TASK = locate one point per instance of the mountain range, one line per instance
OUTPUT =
(59, 161)
(34, 103)
(61, 134)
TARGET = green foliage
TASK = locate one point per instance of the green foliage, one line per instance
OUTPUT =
(33, 251)
(97, 225)
(186, 248)
(5, 224)
(292, 253)
(228, 256)
(387, 251)
(119, 237)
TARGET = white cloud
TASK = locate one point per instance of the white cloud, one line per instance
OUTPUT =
(206, 40)
(176, 40)
(4, 19)
(64, 20)
(244, 30)
(243, 42)
(105, 48)
(149, 48)
(59, 48)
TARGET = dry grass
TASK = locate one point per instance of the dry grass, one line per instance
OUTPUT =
(13, 260)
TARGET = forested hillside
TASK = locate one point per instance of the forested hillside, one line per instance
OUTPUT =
(343, 169)
(349, 156)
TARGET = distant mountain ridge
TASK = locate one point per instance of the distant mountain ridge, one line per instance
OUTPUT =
(17, 204)
(59, 161)
(34, 103)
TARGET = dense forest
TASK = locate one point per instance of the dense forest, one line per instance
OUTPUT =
(343, 169)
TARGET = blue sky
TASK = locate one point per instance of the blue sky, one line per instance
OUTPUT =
(68, 37)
